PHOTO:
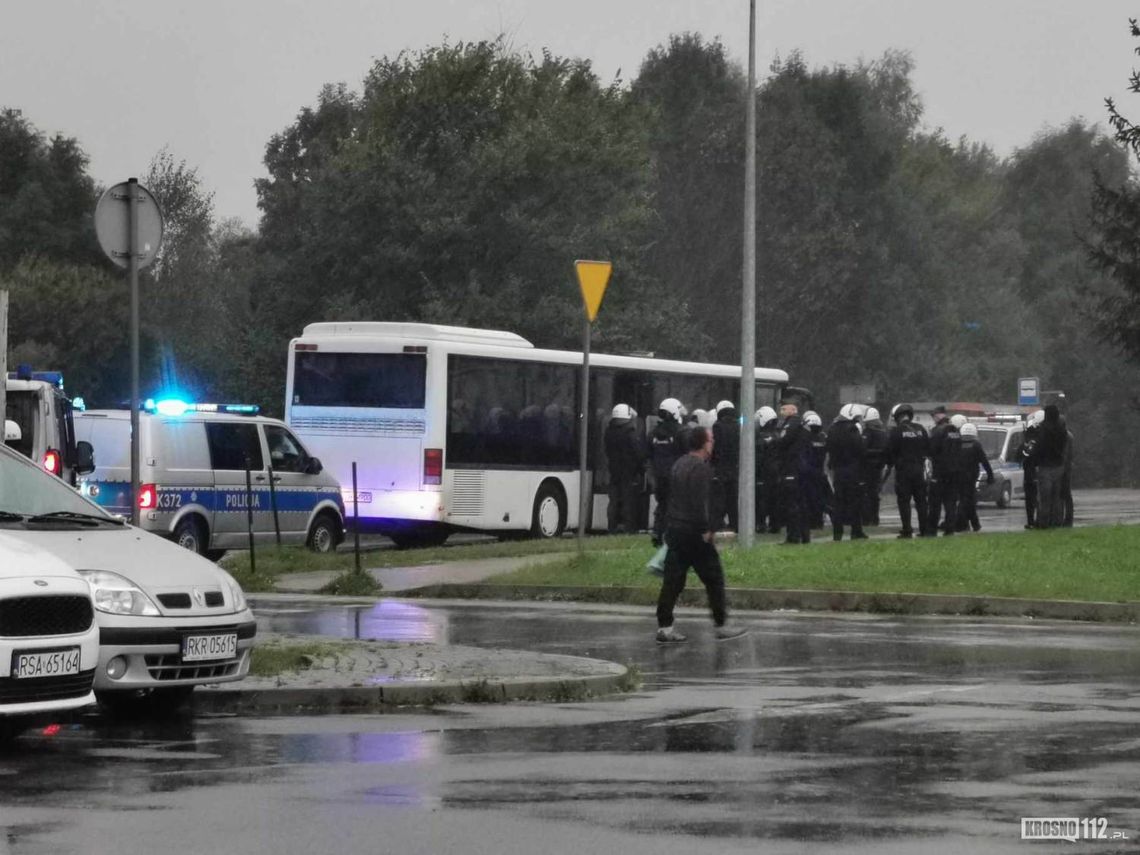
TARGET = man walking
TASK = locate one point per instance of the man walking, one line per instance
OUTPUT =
(908, 449)
(689, 536)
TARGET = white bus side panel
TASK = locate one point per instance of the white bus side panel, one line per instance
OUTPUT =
(502, 499)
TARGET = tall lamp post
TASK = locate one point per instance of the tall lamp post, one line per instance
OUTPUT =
(747, 475)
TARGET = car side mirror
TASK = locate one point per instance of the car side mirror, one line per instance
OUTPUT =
(84, 457)
(12, 432)
(313, 466)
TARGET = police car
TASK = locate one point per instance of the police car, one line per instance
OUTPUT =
(193, 462)
(1002, 438)
(166, 620)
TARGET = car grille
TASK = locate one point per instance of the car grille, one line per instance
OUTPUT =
(169, 666)
(182, 601)
(15, 691)
(46, 615)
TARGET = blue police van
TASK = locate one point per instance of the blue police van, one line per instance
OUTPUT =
(193, 462)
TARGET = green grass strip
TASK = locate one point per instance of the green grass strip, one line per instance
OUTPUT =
(1090, 564)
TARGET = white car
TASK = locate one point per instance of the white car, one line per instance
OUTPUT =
(169, 620)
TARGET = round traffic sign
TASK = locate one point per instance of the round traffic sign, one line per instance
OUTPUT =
(113, 224)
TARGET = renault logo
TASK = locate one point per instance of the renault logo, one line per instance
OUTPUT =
(41, 583)
(199, 597)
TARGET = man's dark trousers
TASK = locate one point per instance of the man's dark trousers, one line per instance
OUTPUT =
(688, 549)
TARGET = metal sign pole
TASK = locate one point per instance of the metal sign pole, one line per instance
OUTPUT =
(746, 479)
(249, 514)
(133, 266)
(583, 433)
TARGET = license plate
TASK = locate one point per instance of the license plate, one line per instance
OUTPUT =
(197, 648)
(45, 663)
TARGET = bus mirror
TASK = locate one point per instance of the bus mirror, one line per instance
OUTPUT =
(313, 466)
(84, 457)
(12, 432)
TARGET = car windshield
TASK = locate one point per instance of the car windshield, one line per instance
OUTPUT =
(28, 490)
(992, 440)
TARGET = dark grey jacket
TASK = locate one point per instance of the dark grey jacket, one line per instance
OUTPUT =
(691, 485)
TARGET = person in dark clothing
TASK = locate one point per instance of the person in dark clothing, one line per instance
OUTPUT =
(943, 494)
(767, 471)
(1028, 457)
(845, 455)
(971, 455)
(625, 455)
(664, 450)
(815, 488)
(791, 451)
(689, 536)
(726, 466)
(1050, 459)
(908, 449)
(1067, 479)
(874, 462)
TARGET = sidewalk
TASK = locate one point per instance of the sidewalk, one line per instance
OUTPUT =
(362, 676)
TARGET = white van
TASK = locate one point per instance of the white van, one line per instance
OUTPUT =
(192, 468)
(44, 428)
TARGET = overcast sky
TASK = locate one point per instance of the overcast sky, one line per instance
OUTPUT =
(214, 80)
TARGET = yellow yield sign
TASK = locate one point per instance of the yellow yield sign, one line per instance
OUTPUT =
(593, 277)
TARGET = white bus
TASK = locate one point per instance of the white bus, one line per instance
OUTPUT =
(457, 429)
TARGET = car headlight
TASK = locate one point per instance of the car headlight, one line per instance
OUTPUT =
(118, 595)
(237, 596)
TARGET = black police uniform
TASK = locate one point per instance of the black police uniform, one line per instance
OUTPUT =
(664, 449)
(816, 489)
(875, 459)
(1029, 468)
(908, 448)
(845, 455)
(767, 479)
(971, 455)
(791, 449)
(944, 441)
(726, 469)
(626, 458)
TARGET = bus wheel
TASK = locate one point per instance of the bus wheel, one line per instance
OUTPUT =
(190, 534)
(549, 517)
(1006, 495)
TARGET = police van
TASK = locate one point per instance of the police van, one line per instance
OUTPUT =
(1002, 437)
(193, 460)
(38, 423)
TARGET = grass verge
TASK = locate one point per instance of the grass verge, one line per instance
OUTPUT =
(273, 658)
(353, 584)
(275, 562)
(1088, 564)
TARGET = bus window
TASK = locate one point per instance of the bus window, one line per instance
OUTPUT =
(380, 380)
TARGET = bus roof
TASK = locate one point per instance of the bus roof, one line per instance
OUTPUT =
(485, 342)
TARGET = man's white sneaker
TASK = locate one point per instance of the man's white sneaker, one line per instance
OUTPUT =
(668, 635)
(729, 630)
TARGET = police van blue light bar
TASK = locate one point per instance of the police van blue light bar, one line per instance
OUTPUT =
(176, 407)
(24, 372)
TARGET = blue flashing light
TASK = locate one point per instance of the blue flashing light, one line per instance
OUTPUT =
(178, 407)
(78, 404)
(25, 372)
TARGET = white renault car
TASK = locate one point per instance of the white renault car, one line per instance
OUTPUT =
(168, 619)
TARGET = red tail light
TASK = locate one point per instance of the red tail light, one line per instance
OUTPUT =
(433, 465)
(52, 461)
(148, 497)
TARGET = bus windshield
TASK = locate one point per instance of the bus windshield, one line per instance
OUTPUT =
(381, 380)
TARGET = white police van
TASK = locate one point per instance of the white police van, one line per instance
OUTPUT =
(1002, 437)
(39, 423)
(193, 460)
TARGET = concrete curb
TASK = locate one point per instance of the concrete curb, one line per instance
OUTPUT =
(767, 599)
(233, 700)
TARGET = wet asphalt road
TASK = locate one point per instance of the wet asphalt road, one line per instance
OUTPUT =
(844, 733)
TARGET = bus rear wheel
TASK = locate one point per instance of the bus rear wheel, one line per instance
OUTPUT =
(548, 519)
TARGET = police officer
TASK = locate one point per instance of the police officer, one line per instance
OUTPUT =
(874, 462)
(845, 454)
(1029, 465)
(816, 488)
(791, 449)
(664, 449)
(943, 496)
(726, 466)
(971, 455)
(626, 457)
(767, 471)
(908, 450)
